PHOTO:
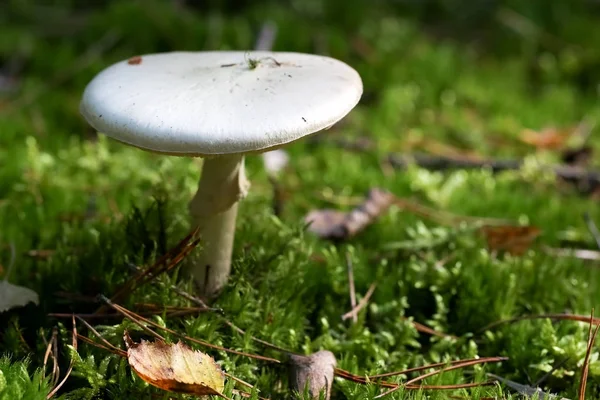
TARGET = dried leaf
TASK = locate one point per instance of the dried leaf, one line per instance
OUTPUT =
(515, 240)
(12, 296)
(548, 138)
(337, 225)
(175, 367)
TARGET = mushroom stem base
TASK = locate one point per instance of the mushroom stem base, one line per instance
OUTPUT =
(214, 209)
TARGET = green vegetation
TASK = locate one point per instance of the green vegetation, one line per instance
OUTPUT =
(431, 77)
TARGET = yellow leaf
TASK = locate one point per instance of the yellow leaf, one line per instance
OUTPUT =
(175, 367)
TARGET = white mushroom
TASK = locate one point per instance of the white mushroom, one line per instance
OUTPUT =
(220, 106)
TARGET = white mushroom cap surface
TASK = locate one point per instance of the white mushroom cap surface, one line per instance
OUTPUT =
(209, 103)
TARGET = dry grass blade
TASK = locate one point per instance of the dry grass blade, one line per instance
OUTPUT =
(95, 332)
(365, 380)
(450, 387)
(361, 304)
(444, 217)
(201, 303)
(137, 319)
(430, 331)
(352, 289)
(586, 363)
(51, 352)
(417, 369)
(436, 372)
(89, 341)
(74, 344)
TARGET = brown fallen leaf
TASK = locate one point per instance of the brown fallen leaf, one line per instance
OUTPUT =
(338, 225)
(548, 138)
(514, 240)
(175, 367)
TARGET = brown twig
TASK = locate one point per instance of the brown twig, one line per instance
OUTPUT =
(417, 369)
(137, 318)
(174, 313)
(95, 332)
(74, 344)
(51, 352)
(165, 263)
(365, 381)
(361, 304)
(219, 312)
(89, 341)
(586, 363)
(430, 331)
(436, 372)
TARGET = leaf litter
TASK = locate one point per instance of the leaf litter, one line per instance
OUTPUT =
(175, 367)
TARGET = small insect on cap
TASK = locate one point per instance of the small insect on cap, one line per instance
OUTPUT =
(219, 102)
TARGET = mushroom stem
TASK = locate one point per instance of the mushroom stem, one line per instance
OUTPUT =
(214, 209)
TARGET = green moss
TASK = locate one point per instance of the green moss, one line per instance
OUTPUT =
(100, 206)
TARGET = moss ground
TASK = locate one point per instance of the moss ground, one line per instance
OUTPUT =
(430, 78)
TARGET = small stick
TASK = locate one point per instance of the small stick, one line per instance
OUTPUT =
(120, 353)
(586, 363)
(137, 318)
(417, 369)
(74, 344)
(436, 372)
(352, 289)
(54, 352)
(95, 332)
(163, 264)
(425, 329)
(361, 304)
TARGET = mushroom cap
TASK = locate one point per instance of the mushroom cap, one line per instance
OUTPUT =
(219, 102)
